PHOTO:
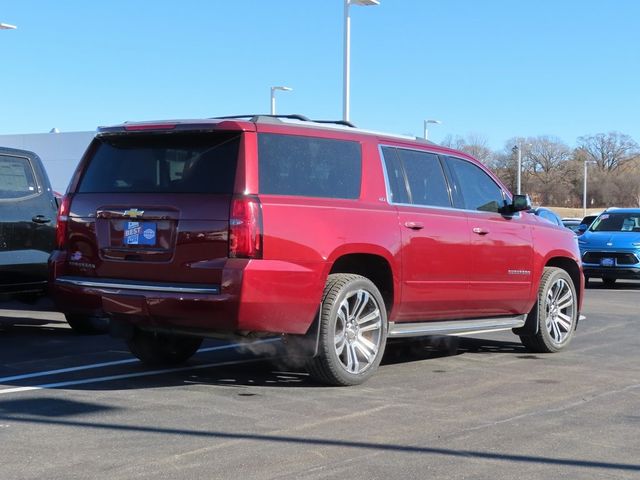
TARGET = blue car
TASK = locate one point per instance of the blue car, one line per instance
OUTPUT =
(610, 247)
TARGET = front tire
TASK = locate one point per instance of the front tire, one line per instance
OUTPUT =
(154, 348)
(353, 331)
(556, 312)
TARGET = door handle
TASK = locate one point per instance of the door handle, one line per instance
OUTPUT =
(480, 231)
(414, 225)
(40, 219)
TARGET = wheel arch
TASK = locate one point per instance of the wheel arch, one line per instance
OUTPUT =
(375, 267)
(574, 271)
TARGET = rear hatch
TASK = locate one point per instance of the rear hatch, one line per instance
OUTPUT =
(153, 207)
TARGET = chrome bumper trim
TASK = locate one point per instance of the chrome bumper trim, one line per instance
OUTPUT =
(139, 286)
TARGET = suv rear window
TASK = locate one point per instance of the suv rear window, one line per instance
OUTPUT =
(163, 163)
(16, 177)
(309, 166)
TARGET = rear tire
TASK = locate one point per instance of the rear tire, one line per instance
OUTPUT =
(556, 312)
(353, 331)
(154, 348)
(608, 282)
(87, 324)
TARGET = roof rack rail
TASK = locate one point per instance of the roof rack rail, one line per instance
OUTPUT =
(346, 123)
(255, 117)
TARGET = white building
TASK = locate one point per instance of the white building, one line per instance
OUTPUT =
(60, 152)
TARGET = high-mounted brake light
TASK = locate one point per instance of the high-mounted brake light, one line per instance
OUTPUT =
(149, 126)
(62, 222)
(245, 227)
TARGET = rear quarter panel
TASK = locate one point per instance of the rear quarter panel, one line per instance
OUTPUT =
(304, 236)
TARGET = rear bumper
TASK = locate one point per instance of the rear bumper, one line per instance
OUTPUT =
(254, 296)
(23, 277)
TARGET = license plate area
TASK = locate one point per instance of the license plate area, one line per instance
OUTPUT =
(140, 233)
(607, 262)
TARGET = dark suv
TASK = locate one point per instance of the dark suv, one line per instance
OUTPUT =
(27, 223)
(333, 237)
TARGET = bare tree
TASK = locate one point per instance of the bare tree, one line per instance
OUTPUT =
(610, 150)
(547, 159)
(473, 144)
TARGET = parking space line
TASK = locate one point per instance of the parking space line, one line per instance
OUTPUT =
(123, 376)
(120, 362)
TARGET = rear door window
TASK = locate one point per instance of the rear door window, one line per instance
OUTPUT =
(163, 163)
(309, 166)
(416, 177)
(17, 179)
(478, 191)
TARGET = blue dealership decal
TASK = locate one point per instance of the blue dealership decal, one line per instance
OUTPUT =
(140, 233)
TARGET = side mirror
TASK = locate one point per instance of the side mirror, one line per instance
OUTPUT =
(582, 228)
(518, 203)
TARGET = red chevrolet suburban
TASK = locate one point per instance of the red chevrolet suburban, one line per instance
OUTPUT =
(333, 237)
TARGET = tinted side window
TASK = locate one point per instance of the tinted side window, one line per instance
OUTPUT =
(427, 184)
(176, 163)
(395, 175)
(16, 177)
(309, 166)
(478, 190)
(549, 217)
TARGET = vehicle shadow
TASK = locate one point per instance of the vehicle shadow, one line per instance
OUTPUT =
(244, 367)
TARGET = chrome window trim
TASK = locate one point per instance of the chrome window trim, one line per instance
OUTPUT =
(148, 287)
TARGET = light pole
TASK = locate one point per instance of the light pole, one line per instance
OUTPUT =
(347, 50)
(6, 26)
(518, 150)
(426, 124)
(519, 172)
(273, 97)
(584, 187)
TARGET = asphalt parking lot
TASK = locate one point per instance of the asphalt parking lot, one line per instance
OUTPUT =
(75, 407)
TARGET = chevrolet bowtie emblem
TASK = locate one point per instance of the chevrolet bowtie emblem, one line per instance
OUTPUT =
(133, 213)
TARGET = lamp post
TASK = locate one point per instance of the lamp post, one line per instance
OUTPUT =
(6, 26)
(273, 97)
(426, 124)
(347, 50)
(518, 150)
(584, 187)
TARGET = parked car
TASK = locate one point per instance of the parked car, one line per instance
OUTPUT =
(586, 222)
(27, 224)
(610, 247)
(548, 215)
(572, 224)
(332, 237)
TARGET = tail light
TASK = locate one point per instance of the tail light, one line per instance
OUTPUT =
(245, 227)
(62, 223)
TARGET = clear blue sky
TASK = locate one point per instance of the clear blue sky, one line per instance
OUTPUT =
(497, 68)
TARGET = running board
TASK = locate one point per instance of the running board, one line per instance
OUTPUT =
(455, 327)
